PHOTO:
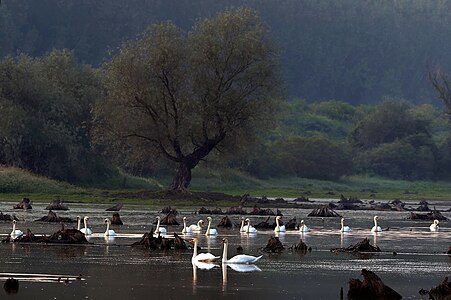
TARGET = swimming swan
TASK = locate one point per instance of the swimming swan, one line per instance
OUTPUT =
(434, 226)
(86, 230)
(237, 259)
(249, 228)
(186, 230)
(343, 227)
(108, 231)
(198, 227)
(159, 229)
(15, 232)
(375, 227)
(202, 257)
(210, 231)
(278, 227)
(303, 227)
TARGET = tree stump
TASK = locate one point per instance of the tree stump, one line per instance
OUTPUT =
(274, 245)
(68, 236)
(225, 222)
(236, 210)
(323, 211)
(440, 292)
(264, 224)
(6, 217)
(363, 246)
(291, 224)
(53, 218)
(11, 286)
(372, 287)
(56, 205)
(430, 216)
(170, 218)
(24, 204)
(116, 220)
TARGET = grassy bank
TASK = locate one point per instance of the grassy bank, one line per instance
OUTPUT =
(16, 184)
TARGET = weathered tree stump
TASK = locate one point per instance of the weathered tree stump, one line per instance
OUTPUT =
(116, 219)
(68, 236)
(225, 222)
(363, 246)
(264, 224)
(11, 286)
(440, 292)
(423, 206)
(291, 224)
(301, 247)
(24, 204)
(56, 205)
(149, 241)
(274, 245)
(170, 219)
(302, 199)
(236, 210)
(52, 217)
(179, 243)
(262, 212)
(372, 287)
(398, 205)
(204, 211)
(323, 211)
(116, 207)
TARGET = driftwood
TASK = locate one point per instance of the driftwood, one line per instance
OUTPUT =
(52, 217)
(56, 205)
(225, 222)
(363, 246)
(323, 211)
(11, 286)
(398, 205)
(273, 245)
(117, 207)
(348, 203)
(432, 215)
(440, 292)
(372, 287)
(116, 220)
(6, 217)
(24, 204)
(423, 206)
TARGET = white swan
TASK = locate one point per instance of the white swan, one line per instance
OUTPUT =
(237, 259)
(249, 228)
(86, 230)
(303, 227)
(434, 226)
(198, 227)
(202, 257)
(15, 232)
(278, 227)
(244, 268)
(343, 227)
(210, 231)
(375, 227)
(108, 231)
(243, 227)
(159, 229)
(186, 230)
(78, 223)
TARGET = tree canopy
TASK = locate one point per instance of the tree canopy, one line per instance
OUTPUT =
(182, 95)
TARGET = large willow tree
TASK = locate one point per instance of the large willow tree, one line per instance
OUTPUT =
(181, 95)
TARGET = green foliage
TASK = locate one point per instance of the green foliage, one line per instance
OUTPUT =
(45, 107)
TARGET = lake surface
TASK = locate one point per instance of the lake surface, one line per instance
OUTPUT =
(111, 269)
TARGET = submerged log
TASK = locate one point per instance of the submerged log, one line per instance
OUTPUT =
(440, 292)
(116, 207)
(363, 246)
(372, 287)
(6, 217)
(225, 222)
(57, 205)
(273, 245)
(24, 204)
(116, 220)
(52, 217)
(432, 215)
(323, 211)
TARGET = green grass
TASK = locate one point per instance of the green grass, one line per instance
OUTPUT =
(16, 184)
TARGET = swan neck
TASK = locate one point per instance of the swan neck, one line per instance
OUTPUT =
(158, 224)
(277, 222)
(86, 223)
(209, 223)
(79, 224)
(375, 222)
(224, 253)
(107, 226)
(248, 226)
(14, 227)
(242, 225)
(184, 224)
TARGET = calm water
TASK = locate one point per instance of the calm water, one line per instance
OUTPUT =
(112, 269)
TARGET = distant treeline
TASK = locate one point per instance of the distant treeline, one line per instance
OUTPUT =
(354, 51)
(46, 126)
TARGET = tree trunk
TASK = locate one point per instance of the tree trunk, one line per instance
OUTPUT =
(182, 178)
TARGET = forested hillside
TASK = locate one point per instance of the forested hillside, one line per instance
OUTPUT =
(353, 51)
